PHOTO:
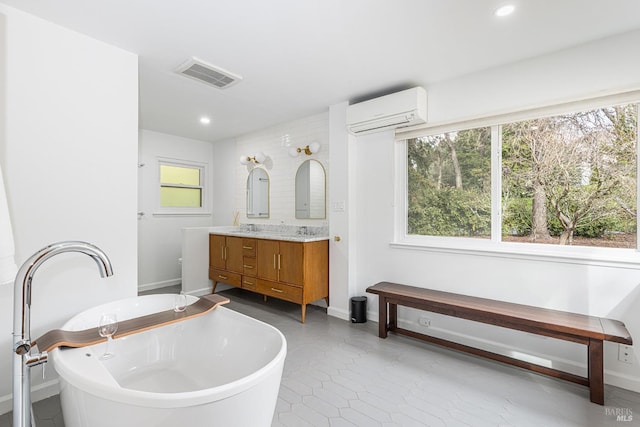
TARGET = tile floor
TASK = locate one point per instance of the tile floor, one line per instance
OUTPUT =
(341, 374)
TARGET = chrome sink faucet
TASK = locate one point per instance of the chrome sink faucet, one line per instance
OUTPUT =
(23, 359)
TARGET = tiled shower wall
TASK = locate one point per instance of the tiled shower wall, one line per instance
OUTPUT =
(275, 143)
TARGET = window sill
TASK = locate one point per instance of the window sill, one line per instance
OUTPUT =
(607, 257)
(180, 214)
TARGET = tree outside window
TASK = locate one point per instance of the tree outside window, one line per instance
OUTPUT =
(450, 184)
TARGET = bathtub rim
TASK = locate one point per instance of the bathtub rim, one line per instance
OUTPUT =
(109, 388)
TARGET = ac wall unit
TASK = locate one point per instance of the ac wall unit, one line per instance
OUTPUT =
(400, 109)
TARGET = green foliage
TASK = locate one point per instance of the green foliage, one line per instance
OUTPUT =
(517, 221)
(516, 216)
(451, 212)
(474, 156)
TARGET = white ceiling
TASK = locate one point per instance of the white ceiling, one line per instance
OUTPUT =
(297, 57)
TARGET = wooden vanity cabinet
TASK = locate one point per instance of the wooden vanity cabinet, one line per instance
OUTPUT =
(281, 261)
(249, 267)
(225, 252)
(226, 259)
(292, 271)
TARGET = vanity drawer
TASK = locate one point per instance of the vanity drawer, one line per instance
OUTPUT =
(249, 283)
(279, 290)
(232, 279)
(249, 248)
(249, 266)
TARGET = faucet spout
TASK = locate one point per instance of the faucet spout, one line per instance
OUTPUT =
(22, 359)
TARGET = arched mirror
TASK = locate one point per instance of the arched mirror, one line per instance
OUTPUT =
(310, 191)
(258, 194)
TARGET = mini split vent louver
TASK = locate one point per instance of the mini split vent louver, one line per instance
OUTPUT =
(208, 74)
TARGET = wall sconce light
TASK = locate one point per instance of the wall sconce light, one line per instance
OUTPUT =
(310, 149)
(258, 158)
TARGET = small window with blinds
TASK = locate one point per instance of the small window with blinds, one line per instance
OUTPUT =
(181, 186)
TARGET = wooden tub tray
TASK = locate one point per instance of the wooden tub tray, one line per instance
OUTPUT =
(60, 338)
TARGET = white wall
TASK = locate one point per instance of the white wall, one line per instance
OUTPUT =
(591, 70)
(343, 210)
(282, 168)
(162, 240)
(68, 154)
(160, 236)
(195, 241)
(224, 174)
(595, 69)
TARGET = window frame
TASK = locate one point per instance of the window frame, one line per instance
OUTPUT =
(202, 210)
(495, 247)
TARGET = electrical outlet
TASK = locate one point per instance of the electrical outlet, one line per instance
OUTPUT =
(424, 321)
(625, 353)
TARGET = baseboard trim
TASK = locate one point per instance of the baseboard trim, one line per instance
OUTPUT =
(207, 290)
(6, 403)
(38, 392)
(621, 380)
(338, 312)
(157, 285)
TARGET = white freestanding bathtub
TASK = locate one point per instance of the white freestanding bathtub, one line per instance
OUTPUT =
(220, 369)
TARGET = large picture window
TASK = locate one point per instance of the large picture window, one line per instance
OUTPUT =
(566, 179)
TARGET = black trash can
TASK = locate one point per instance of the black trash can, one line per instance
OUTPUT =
(358, 309)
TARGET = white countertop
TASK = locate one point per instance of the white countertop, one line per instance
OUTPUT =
(284, 233)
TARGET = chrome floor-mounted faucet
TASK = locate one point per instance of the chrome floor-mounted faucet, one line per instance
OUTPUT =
(23, 359)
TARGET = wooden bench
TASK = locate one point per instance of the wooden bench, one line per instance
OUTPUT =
(588, 330)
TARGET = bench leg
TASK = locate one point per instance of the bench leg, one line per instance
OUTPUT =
(596, 371)
(393, 317)
(382, 317)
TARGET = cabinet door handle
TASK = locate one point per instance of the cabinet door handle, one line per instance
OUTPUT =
(274, 262)
(248, 266)
(246, 282)
(278, 261)
(277, 290)
(221, 252)
(248, 247)
(220, 276)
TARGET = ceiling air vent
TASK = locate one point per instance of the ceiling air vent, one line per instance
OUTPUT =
(208, 74)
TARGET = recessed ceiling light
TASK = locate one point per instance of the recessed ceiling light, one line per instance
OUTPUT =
(505, 10)
(205, 120)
